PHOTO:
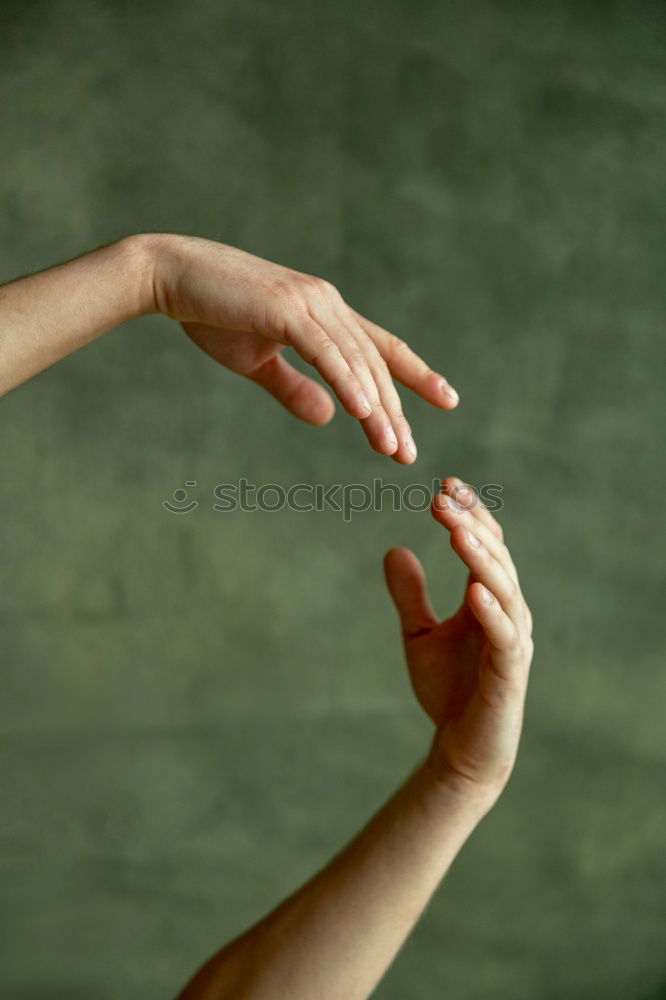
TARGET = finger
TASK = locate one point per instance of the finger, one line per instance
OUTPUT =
(388, 394)
(407, 585)
(498, 628)
(485, 568)
(529, 619)
(466, 496)
(448, 513)
(301, 395)
(377, 424)
(467, 508)
(501, 553)
(473, 514)
(314, 345)
(407, 367)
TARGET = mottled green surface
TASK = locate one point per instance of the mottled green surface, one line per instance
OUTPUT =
(198, 710)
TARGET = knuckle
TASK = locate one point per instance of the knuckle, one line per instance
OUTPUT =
(356, 359)
(481, 550)
(308, 280)
(514, 644)
(460, 536)
(527, 648)
(380, 363)
(382, 373)
(529, 620)
(286, 292)
(397, 346)
(325, 350)
(313, 283)
(328, 288)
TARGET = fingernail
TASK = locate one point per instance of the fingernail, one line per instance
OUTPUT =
(444, 502)
(486, 596)
(410, 445)
(448, 390)
(452, 504)
(365, 402)
(390, 436)
(462, 495)
(473, 540)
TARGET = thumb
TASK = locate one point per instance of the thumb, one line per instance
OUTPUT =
(406, 582)
(301, 395)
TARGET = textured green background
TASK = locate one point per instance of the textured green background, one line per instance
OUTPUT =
(197, 711)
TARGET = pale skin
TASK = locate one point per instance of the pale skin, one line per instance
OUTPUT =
(241, 310)
(336, 936)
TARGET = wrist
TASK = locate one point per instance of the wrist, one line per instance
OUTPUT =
(165, 256)
(141, 253)
(155, 257)
(459, 791)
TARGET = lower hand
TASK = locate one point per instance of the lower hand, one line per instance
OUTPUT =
(242, 311)
(470, 671)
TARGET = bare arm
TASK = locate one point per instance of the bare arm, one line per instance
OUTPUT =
(46, 316)
(335, 938)
(241, 310)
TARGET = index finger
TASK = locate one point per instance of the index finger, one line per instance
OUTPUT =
(407, 367)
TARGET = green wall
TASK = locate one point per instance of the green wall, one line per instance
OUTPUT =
(197, 710)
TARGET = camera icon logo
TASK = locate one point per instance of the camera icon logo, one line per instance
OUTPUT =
(179, 498)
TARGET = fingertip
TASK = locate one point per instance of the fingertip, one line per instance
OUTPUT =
(444, 392)
(445, 511)
(357, 404)
(383, 441)
(449, 394)
(436, 389)
(397, 560)
(326, 418)
(406, 453)
(321, 412)
(461, 496)
(451, 487)
(397, 552)
(403, 456)
(386, 451)
(480, 599)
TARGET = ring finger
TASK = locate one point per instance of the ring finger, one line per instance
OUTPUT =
(378, 425)
(448, 513)
(486, 569)
(388, 394)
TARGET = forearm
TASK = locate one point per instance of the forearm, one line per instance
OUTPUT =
(335, 937)
(46, 316)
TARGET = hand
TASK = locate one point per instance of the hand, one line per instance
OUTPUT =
(469, 672)
(242, 311)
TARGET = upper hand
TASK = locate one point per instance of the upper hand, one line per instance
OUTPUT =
(470, 671)
(243, 311)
